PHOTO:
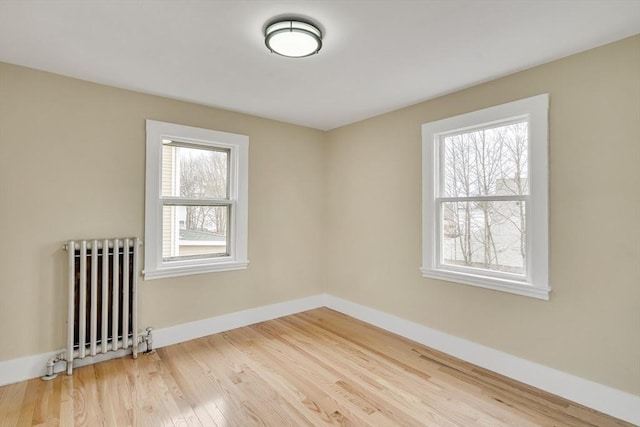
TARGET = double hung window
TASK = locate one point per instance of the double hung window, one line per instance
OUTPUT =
(485, 198)
(196, 200)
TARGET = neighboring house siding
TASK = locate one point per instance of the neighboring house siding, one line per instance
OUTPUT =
(186, 250)
(168, 186)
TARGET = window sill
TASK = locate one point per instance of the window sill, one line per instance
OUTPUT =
(503, 285)
(165, 272)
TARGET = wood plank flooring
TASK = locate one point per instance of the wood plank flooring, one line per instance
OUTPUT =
(310, 369)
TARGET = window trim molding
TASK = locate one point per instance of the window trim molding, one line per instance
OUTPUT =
(536, 283)
(154, 266)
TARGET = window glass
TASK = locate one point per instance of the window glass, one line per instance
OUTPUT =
(194, 172)
(486, 162)
(194, 232)
(484, 235)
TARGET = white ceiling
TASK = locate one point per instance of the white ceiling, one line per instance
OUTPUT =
(377, 55)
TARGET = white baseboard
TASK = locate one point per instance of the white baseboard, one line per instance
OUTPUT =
(26, 368)
(29, 367)
(213, 325)
(619, 404)
(616, 403)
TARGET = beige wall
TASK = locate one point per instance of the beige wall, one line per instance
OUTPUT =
(72, 166)
(72, 162)
(591, 325)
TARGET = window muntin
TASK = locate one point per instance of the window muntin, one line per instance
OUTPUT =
(485, 198)
(196, 201)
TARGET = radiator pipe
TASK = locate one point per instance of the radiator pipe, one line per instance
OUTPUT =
(71, 301)
(51, 365)
(119, 345)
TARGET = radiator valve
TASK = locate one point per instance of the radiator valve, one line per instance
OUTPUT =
(51, 374)
(148, 340)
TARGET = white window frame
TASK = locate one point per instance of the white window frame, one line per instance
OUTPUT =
(536, 281)
(238, 145)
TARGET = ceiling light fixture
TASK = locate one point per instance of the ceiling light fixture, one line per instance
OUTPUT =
(293, 37)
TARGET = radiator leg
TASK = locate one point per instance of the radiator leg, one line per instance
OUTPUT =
(69, 367)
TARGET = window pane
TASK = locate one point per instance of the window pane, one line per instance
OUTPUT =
(194, 232)
(486, 235)
(194, 172)
(486, 162)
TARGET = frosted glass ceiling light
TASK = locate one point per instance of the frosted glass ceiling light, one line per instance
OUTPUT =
(293, 38)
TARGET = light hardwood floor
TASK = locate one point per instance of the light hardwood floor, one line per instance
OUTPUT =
(310, 369)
